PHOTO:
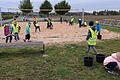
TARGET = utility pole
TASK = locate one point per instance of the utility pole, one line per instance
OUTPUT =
(82, 16)
(0, 17)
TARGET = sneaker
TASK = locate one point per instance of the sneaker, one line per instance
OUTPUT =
(106, 68)
(113, 73)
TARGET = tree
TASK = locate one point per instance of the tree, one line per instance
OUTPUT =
(46, 7)
(62, 7)
(26, 6)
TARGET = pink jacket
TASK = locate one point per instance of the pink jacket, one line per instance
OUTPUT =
(6, 30)
(112, 58)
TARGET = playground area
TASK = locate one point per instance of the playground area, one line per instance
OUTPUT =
(59, 40)
(59, 62)
(61, 33)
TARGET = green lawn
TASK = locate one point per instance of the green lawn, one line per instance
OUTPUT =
(114, 29)
(63, 63)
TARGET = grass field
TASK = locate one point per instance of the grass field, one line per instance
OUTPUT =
(64, 62)
(114, 29)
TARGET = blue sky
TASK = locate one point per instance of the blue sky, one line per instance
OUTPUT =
(88, 5)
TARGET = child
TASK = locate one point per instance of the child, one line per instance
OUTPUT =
(85, 24)
(80, 22)
(112, 62)
(15, 30)
(71, 21)
(98, 27)
(49, 24)
(27, 35)
(37, 27)
(61, 20)
(91, 38)
(8, 33)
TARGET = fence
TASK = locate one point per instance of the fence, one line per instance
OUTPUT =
(110, 22)
(36, 11)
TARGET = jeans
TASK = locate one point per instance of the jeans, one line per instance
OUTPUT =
(16, 36)
(93, 47)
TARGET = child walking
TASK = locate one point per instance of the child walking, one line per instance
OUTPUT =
(27, 35)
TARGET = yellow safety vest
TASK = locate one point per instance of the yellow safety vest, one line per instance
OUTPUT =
(15, 28)
(72, 19)
(92, 40)
(48, 22)
(85, 23)
(37, 24)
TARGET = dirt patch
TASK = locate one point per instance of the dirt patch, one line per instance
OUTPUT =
(61, 33)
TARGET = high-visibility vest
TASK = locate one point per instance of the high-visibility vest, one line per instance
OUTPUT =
(48, 22)
(92, 39)
(72, 19)
(85, 23)
(37, 24)
(15, 28)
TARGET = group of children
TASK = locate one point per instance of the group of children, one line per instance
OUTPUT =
(13, 30)
(36, 25)
(111, 63)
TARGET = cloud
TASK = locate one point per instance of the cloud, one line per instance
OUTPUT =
(76, 4)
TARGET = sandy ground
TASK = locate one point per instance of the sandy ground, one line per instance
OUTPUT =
(61, 33)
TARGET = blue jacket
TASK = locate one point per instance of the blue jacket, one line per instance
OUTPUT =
(11, 28)
(98, 27)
